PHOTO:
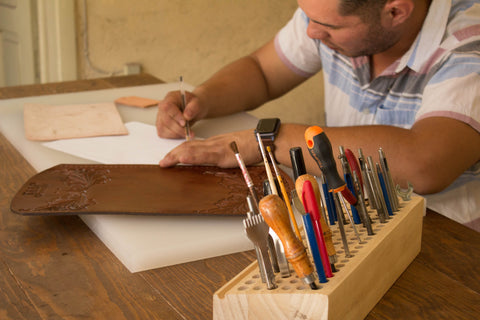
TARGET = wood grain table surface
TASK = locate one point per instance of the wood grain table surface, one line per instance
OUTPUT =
(56, 268)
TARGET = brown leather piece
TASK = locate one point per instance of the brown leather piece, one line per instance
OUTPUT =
(138, 189)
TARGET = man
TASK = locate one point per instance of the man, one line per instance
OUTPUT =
(396, 77)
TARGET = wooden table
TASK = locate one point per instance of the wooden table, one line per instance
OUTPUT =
(56, 268)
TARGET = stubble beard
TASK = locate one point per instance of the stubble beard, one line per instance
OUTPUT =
(378, 40)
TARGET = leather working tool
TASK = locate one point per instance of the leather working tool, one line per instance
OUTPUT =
(279, 250)
(330, 204)
(184, 105)
(321, 151)
(347, 175)
(367, 223)
(246, 175)
(310, 204)
(354, 166)
(377, 190)
(341, 226)
(271, 180)
(326, 231)
(275, 213)
(300, 175)
(257, 231)
(368, 189)
(313, 245)
(383, 188)
(359, 188)
(374, 199)
(349, 215)
(286, 199)
(253, 210)
(388, 181)
(359, 212)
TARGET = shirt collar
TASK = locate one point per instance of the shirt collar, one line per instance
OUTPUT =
(429, 38)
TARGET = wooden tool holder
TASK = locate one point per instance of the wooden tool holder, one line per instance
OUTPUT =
(359, 283)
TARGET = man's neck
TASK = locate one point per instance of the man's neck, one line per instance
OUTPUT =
(411, 29)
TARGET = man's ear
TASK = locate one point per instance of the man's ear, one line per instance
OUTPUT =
(397, 12)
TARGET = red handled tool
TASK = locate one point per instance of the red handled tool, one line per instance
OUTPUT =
(327, 233)
(352, 161)
(310, 204)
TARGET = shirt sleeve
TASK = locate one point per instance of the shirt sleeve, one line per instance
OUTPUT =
(453, 92)
(299, 52)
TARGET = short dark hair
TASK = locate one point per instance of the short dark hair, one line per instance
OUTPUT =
(365, 9)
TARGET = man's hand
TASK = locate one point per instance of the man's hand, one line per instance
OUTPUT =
(215, 151)
(170, 118)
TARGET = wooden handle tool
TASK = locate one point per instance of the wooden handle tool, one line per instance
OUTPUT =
(275, 213)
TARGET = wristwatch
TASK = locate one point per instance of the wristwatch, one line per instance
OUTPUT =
(268, 130)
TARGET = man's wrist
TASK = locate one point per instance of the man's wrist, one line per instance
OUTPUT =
(268, 129)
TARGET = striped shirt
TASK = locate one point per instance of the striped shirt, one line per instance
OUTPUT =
(438, 76)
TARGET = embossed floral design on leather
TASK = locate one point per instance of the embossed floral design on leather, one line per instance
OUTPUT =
(35, 190)
(73, 194)
(232, 182)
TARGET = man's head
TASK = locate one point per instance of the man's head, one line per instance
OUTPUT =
(357, 27)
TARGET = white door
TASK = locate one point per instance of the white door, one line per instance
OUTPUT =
(17, 62)
(37, 41)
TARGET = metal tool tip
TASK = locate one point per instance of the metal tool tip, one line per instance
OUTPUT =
(334, 269)
(233, 146)
(313, 285)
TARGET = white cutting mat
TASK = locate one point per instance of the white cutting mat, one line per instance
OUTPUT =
(140, 242)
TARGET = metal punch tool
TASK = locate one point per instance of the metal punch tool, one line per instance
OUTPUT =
(257, 231)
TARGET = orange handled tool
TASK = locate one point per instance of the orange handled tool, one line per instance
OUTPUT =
(275, 214)
(320, 149)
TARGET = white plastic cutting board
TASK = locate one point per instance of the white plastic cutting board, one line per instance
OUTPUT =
(140, 242)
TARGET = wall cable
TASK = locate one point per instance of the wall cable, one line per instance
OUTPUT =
(85, 46)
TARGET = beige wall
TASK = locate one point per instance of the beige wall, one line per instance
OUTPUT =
(170, 38)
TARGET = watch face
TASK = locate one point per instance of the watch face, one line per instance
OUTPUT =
(268, 125)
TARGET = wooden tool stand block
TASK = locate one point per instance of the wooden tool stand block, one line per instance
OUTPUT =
(359, 283)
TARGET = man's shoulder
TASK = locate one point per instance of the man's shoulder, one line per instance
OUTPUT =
(464, 18)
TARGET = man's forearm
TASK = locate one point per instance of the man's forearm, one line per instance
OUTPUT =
(369, 138)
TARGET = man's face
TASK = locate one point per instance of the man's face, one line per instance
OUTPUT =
(348, 35)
